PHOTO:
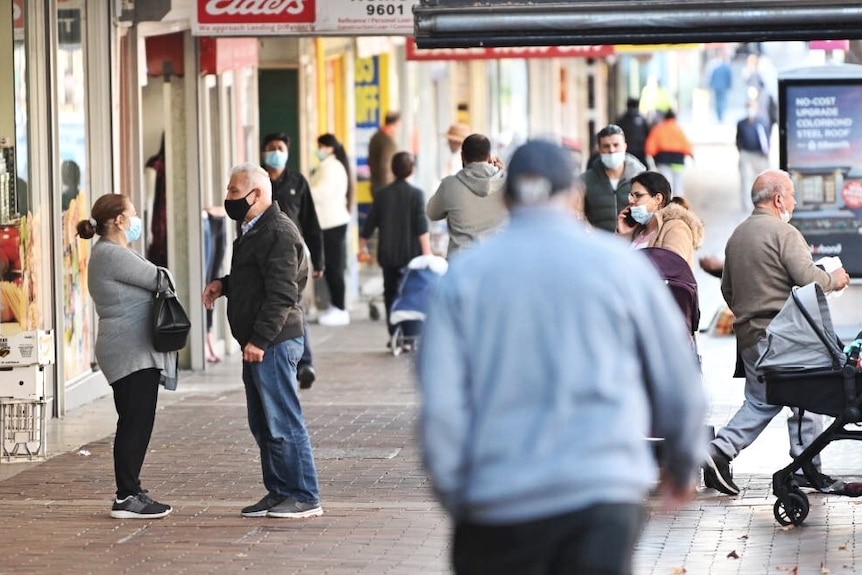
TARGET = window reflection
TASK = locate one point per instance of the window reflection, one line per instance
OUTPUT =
(74, 200)
(19, 304)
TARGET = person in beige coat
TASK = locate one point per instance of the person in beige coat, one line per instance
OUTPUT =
(655, 219)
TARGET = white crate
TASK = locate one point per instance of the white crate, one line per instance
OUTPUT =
(27, 347)
(22, 423)
(22, 382)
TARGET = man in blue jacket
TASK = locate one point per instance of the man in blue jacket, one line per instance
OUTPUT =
(548, 355)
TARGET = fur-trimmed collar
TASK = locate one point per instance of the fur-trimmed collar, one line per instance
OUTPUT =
(674, 211)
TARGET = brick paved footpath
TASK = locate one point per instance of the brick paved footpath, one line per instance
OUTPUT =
(380, 516)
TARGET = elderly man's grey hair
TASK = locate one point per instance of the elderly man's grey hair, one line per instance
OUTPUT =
(257, 177)
(767, 185)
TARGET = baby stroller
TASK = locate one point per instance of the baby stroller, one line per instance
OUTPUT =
(408, 309)
(679, 278)
(805, 365)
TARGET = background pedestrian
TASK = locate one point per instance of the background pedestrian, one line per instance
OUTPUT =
(290, 190)
(332, 192)
(398, 212)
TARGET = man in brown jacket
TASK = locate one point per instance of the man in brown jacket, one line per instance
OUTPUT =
(381, 148)
(764, 258)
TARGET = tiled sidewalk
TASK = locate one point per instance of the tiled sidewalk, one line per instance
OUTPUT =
(380, 516)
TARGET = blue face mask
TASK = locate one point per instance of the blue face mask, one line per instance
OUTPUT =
(136, 226)
(275, 159)
(640, 214)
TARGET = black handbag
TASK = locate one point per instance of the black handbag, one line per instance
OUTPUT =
(171, 324)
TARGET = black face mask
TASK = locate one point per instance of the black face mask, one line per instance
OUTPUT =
(238, 209)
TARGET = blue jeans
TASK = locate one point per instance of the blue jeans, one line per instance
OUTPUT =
(276, 422)
(755, 414)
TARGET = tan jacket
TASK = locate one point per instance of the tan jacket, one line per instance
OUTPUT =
(679, 230)
(764, 259)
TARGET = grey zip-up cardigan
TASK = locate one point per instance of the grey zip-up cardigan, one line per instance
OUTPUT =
(121, 283)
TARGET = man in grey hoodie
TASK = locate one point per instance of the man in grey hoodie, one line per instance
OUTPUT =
(471, 201)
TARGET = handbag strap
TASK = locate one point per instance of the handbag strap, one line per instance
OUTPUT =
(165, 274)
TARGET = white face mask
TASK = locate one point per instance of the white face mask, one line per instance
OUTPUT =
(785, 216)
(640, 214)
(613, 160)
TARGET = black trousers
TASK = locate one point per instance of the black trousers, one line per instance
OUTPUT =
(334, 254)
(135, 398)
(598, 540)
(391, 280)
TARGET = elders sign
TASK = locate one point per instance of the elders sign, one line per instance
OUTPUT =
(251, 17)
(304, 17)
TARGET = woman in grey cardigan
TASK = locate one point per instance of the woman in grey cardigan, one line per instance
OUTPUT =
(121, 284)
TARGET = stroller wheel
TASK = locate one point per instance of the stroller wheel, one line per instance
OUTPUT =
(791, 509)
(373, 311)
(397, 342)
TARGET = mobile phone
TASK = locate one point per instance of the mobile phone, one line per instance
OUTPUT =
(629, 219)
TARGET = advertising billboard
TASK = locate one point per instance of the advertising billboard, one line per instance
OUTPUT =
(820, 135)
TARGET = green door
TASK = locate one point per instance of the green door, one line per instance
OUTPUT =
(278, 108)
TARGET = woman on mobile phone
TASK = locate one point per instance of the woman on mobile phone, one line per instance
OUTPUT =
(654, 218)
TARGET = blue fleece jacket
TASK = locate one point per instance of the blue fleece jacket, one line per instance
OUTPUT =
(548, 355)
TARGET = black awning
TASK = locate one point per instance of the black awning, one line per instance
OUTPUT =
(468, 23)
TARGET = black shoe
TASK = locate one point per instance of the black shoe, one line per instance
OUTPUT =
(306, 376)
(824, 483)
(139, 506)
(717, 474)
(261, 508)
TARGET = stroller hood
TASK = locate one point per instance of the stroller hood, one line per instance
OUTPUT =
(679, 278)
(801, 336)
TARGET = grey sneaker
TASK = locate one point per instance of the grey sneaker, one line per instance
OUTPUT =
(139, 506)
(260, 508)
(293, 509)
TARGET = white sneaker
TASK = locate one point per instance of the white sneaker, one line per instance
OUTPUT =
(334, 317)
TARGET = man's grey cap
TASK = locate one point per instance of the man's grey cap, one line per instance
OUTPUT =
(539, 162)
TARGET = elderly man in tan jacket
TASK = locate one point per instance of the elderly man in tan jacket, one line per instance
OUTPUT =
(764, 258)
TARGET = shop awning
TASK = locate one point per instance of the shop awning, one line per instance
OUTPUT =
(470, 23)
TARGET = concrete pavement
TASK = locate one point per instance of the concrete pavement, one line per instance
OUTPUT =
(380, 516)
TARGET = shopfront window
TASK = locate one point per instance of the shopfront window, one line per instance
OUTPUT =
(509, 87)
(74, 201)
(20, 308)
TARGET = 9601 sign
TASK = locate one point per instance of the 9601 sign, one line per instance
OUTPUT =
(387, 7)
(385, 10)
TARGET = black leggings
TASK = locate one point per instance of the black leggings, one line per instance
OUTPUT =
(135, 398)
(334, 248)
